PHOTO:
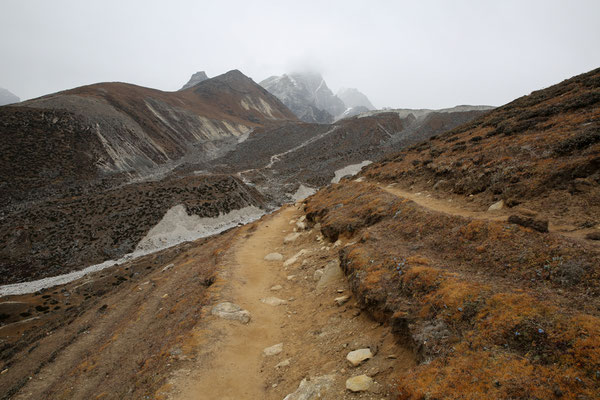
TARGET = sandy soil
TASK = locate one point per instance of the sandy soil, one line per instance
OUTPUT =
(316, 333)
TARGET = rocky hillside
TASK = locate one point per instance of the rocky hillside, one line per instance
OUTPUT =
(279, 160)
(540, 151)
(479, 248)
(68, 139)
(306, 95)
(80, 169)
(61, 235)
(7, 97)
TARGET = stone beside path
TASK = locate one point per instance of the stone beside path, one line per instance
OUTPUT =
(356, 357)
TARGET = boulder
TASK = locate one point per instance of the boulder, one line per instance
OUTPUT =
(331, 273)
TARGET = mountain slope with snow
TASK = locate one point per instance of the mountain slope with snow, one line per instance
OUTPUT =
(306, 95)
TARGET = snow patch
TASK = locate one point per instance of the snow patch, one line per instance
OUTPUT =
(303, 192)
(178, 227)
(349, 170)
(175, 227)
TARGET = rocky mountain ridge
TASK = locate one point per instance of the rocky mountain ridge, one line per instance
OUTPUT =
(7, 97)
(79, 150)
(196, 78)
(354, 98)
(307, 96)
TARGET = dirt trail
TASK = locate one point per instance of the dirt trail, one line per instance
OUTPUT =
(235, 370)
(316, 333)
(453, 207)
(447, 206)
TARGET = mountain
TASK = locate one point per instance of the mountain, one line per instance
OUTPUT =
(352, 98)
(7, 97)
(306, 95)
(195, 79)
(67, 156)
(118, 129)
(86, 173)
(464, 263)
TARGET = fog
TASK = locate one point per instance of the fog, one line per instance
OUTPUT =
(428, 54)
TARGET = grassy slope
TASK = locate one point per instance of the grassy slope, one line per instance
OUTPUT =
(493, 310)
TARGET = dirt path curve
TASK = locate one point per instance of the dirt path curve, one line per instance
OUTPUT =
(452, 207)
(315, 331)
(448, 207)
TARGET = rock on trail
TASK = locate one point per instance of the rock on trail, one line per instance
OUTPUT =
(273, 257)
(356, 357)
(360, 383)
(273, 350)
(312, 388)
(273, 301)
(227, 310)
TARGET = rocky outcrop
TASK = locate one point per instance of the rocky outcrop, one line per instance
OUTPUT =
(7, 97)
(195, 79)
(306, 95)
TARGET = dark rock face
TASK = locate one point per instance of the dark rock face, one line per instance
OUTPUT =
(303, 94)
(195, 79)
(7, 97)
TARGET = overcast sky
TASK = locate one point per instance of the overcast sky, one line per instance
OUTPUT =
(400, 54)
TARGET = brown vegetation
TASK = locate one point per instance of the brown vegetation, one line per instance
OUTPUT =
(493, 310)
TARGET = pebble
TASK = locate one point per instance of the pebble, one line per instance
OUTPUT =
(273, 301)
(284, 363)
(273, 350)
(318, 274)
(276, 287)
(291, 237)
(273, 257)
(340, 301)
